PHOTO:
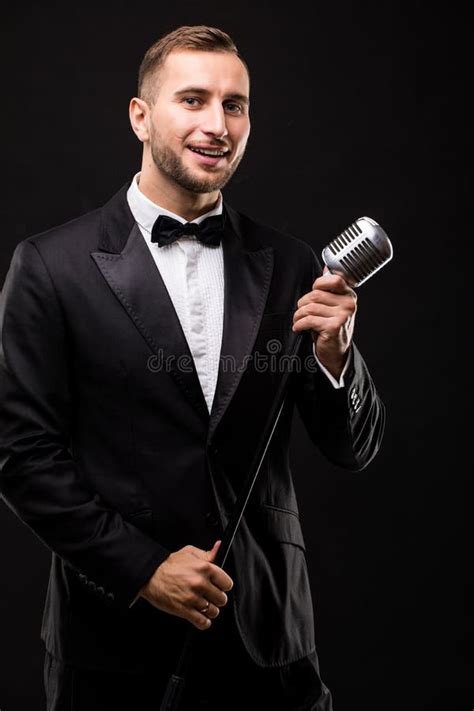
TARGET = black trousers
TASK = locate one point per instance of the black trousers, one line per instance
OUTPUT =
(222, 677)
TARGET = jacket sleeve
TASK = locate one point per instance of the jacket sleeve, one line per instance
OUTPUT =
(347, 423)
(39, 479)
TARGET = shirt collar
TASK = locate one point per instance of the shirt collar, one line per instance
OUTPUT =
(146, 212)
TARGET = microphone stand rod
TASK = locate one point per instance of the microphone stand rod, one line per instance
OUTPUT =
(175, 687)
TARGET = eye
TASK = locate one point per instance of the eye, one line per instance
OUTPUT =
(190, 99)
(233, 107)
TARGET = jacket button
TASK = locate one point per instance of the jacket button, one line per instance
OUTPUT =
(212, 519)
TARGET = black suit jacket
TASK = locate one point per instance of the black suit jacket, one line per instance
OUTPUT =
(109, 454)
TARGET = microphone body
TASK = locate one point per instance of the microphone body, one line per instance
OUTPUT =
(358, 252)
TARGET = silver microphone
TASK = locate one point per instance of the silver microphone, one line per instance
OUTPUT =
(358, 252)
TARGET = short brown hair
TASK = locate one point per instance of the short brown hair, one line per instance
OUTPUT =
(198, 37)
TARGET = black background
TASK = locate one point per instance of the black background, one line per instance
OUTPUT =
(356, 109)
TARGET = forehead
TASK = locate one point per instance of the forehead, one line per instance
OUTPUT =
(213, 71)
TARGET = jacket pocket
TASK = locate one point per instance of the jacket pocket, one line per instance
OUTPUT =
(281, 524)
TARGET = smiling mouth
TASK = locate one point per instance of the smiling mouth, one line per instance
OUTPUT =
(211, 152)
(211, 157)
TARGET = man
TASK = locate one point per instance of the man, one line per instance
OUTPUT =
(132, 403)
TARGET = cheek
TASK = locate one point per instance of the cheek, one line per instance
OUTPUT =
(184, 127)
(175, 127)
(242, 134)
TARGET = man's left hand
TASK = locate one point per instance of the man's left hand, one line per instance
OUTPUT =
(329, 312)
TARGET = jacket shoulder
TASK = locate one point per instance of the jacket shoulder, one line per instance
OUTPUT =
(285, 244)
(76, 232)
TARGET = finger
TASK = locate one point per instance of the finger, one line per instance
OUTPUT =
(186, 612)
(210, 610)
(198, 619)
(216, 596)
(332, 282)
(213, 552)
(214, 573)
(322, 297)
(342, 311)
(315, 309)
(317, 323)
(220, 578)
(208, 555)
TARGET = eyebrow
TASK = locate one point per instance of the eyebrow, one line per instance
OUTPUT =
(199, 90)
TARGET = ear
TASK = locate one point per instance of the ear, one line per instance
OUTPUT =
(139, 114)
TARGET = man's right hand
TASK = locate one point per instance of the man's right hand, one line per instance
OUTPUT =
(184, 583)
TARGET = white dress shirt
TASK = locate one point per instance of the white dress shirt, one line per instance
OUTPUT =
(193, 274)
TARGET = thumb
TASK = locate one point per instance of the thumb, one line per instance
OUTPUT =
(210, 555)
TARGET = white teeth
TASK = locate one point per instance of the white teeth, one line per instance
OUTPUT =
(206, 152)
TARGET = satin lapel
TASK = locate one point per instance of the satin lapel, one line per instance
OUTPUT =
(137, 283)
(131, 273)
(247, 277)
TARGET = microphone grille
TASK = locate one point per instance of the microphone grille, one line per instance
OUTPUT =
(359, 251)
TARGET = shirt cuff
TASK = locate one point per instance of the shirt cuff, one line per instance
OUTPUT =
(336, 383)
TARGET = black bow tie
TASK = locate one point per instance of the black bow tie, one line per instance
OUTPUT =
(166, 230)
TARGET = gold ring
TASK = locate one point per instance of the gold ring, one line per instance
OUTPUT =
(205, 609)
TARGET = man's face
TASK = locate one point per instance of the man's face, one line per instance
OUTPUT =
(201, 106)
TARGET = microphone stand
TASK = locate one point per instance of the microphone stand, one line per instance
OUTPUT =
(174, 690)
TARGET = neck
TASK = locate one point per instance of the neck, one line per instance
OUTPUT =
(174, 198)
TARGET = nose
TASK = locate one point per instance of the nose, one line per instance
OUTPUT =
(215, 121)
